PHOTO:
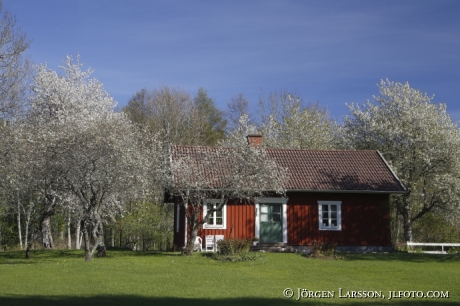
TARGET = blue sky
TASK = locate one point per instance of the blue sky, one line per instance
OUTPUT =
(331, 52)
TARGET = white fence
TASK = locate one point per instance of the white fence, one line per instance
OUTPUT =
(442, 245)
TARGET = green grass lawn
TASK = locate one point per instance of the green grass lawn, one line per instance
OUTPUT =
(137, 278)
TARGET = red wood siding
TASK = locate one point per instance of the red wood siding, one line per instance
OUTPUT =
(365, 219)
(240, 224)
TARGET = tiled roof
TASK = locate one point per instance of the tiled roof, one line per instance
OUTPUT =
(320, 170)
(206, 163)
(335, 170)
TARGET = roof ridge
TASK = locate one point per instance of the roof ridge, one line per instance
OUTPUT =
(322, 150)
(281, 149)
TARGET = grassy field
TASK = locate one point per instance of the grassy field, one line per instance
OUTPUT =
(136, 278)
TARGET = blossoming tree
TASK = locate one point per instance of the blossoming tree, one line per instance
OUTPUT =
(242, 172)
(419, 140)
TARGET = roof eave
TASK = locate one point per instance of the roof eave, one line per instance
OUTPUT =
(392, 172)
(348, 191)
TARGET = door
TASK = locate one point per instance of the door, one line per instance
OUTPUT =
(271, 224)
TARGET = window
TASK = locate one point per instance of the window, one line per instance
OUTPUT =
(218, 219)
(330, 215)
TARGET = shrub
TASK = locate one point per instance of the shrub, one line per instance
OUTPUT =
(453, 250)
(234, 250)
(236, 257)
(325, 248)
(233, 246)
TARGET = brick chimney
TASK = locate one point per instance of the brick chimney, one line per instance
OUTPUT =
(255, 140)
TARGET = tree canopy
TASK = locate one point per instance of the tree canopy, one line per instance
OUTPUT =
(172, 111)
(420, 141)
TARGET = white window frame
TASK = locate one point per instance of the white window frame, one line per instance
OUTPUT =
(224, 214)
(322, 227)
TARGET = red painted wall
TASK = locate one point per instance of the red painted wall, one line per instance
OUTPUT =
(240, 224)
(365, 219)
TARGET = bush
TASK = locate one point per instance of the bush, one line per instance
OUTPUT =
(233, 246)
(325, 248)
(236, 257)
(234, 250)
(453, 250)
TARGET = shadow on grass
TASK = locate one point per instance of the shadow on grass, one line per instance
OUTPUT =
(113, 253)
(37, 256)
(139, 300)
(403, 256)
(42, 256)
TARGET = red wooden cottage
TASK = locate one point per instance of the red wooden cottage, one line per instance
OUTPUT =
(338, 196)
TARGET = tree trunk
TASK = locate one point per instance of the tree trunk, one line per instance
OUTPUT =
(47, 237)
(88, 251)
(78, 236)
(29, 244)
(407, 227)
(29, 212)
(397, 228)
(69, 236)
(113, 237)
(191, 242)
(26, 233)
(1, 229)
(28, 252)
(19, 226)
(98, 236)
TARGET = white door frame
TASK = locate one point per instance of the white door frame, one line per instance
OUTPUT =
(283, 202)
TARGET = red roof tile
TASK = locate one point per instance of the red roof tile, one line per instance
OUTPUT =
(336, 170)
(320, 170)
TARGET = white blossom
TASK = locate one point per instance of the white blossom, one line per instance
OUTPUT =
(419, 140)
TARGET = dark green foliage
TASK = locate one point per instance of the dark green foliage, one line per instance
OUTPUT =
(8, 233)
(215, 124)
(234, 250)
(433, 228)
(145, 226)
(236, 257)
(325, 249)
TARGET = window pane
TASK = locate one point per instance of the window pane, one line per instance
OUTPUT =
(276, 209)
(211, 220)
(276, 217)
(219, 221)
(219, 213)
(264, 217)
(329, 214)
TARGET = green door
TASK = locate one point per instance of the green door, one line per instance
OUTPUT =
(271, 224)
